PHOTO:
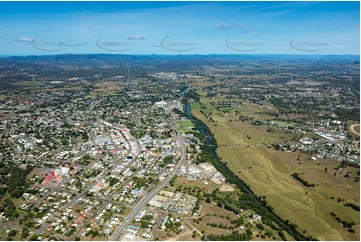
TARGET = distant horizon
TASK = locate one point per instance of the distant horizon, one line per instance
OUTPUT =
(172, 28)
(306, 55)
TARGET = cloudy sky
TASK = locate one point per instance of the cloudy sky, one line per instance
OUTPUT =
(41, 28)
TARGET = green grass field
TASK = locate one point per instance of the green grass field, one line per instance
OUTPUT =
(26, 84)
(228, 108)
(195, 105)
(284, 124)
(184, 125)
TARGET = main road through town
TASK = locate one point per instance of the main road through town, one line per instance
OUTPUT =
(116, 234)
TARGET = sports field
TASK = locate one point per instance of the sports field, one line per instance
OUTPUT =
(184, 125)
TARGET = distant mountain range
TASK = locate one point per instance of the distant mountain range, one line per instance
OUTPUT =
(111, 59)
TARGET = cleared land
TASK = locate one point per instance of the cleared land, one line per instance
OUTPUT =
(184, 182)
(108, 87)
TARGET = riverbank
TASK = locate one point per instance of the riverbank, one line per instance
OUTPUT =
(249, 199)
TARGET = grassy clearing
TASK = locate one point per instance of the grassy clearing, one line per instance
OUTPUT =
(36, 172)
(258, 134)
(284, 124)
(49, 88)
(26, 84)
(184, 125)
(188, 237)
(195, 105)
(108, 87)
(184, 182)
(208, 208)
(227, 108)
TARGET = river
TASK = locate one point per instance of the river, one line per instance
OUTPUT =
(202, 129)
(218, 164)
(252, 199)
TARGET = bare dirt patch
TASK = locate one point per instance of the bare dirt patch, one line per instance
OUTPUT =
(226, 188)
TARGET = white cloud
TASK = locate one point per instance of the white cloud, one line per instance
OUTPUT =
(232, 26)
(219, 26)
(23, 40)
(252, 32)
(136, 37)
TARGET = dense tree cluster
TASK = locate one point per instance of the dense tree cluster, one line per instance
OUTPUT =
(14, 179)
(305, 183)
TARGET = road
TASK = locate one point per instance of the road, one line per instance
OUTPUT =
(66, 206)
(161, 217)
(87, 221)
(192, 227)
(352, 128)
(116, 234)
(10, 226)
(79, 195)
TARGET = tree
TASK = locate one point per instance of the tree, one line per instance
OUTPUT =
(24, 233)
(144, 224)
(33, 237)
(260, 226)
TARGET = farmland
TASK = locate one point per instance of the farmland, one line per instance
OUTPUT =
(246, 149)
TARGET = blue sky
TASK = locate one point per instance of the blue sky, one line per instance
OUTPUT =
(41, 28)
